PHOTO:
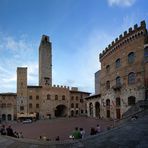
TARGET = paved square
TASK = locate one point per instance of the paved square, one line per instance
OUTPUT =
(61, 127)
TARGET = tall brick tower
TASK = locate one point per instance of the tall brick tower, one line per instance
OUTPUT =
(45, 62)
(22, 101)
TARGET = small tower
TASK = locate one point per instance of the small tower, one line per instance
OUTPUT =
(45, 62)
(22, 107)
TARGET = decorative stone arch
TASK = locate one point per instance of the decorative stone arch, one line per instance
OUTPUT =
(97, 109)
(61, 111)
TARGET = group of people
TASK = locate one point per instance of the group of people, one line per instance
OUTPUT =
(79, 133)
(9, 132)
(96, 130)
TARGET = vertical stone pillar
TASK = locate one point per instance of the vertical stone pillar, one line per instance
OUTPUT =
(94, 110)
(88, 110)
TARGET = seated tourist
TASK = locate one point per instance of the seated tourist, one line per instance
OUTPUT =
(10, 131)
(82, 132)
(92, 131)
(76, 133)
(3, 130)
(98, 128)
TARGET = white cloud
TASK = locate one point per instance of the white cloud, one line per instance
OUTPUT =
(79, 71)
(16, 53)
(32, 72)
(124, 3)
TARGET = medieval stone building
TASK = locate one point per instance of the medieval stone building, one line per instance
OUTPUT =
(43, 101)
(123, 78)
(121, 82)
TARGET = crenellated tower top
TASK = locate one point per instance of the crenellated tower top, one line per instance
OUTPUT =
(124, 38)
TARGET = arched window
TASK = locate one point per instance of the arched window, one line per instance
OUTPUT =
(30, 97)
(21, 108)
(48, 97)
(118, 81)
(107, 68)
(107, 102)
(37, 105)
(30, 105)
(72, 98)
(131, 78)
(9, 117)
(63, 97)
(131, 100)
(107, 84)
(76, 98)
(77, 105)
(118, 63)
(118, 102)
(131, 57)
(72, 105)
(37, 97)
(4, 117)
(56, 97)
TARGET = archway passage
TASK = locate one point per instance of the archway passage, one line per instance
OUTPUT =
(118, 114)
(3, 117)
(97, 109)
(61, 111)
(9, 117)
(72, 113)
(91, 109)
(108, 113)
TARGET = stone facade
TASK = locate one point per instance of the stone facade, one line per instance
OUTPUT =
(7, 106)
(43, 101)
(45, 62)
(123, 75)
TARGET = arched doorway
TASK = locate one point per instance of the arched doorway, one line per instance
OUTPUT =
(108, 113)
(61, 111)
(72, 113)
(9, 117)
(91, 109)
(118, 114)
(3, 117)
(108, 108)
(118, 102)
(97, 109)
(131, 100)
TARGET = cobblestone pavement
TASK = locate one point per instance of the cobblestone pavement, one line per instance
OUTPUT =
(61, 127)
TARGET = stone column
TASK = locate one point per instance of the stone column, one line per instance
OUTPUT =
(94, 110)
(88, 111)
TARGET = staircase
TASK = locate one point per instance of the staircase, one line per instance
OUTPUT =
(138, 107)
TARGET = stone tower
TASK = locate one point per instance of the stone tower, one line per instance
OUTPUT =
(45, 62)
(22, 106)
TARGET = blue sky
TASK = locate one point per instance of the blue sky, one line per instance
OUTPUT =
(79, 30)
